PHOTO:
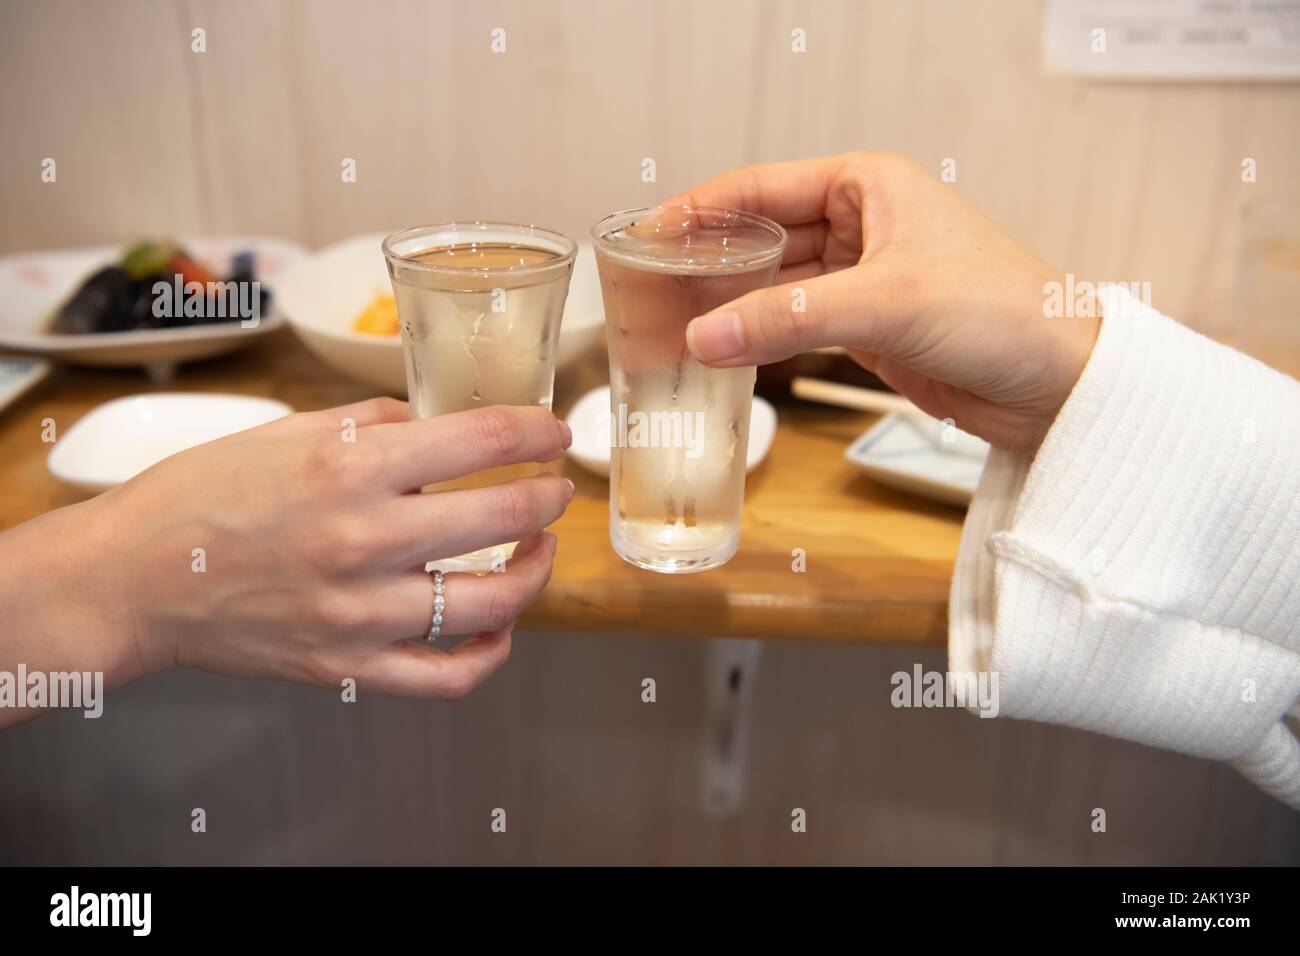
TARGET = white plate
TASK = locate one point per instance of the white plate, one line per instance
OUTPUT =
(325, 292)
(921, 455)
(589, 421)
(17, 375)
(34, 284)
(119, 439)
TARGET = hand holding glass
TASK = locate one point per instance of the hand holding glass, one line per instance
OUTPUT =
(679, 430)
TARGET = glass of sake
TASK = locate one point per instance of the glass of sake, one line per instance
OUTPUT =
(479, 305)
(679, 430)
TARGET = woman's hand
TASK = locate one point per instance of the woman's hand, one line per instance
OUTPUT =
(313, 550)
(921, 288)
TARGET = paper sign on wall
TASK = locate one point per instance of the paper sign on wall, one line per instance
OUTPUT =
(1173, 39)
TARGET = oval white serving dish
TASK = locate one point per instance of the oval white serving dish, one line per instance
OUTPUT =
(119, 439)
(34, 284)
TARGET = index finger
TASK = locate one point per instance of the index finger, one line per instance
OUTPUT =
(792, 193)
(430, 450)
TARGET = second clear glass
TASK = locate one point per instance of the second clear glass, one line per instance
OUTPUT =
(679, 430)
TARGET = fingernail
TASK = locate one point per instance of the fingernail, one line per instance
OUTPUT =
(716, 337)
(551, 542)
(572, 490)
(567, 432)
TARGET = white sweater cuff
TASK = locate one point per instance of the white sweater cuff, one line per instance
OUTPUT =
(1140, 576)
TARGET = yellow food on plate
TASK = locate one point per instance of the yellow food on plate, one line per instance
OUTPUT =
(378, 318)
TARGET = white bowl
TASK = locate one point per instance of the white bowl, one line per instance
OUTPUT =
(322, 296)
(589, 422)
(34, 284)
(119, 439)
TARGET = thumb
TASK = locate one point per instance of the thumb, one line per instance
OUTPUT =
(768, 325)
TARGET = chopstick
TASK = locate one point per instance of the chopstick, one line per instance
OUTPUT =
(852, 396)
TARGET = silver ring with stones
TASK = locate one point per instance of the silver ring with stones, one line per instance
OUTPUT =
(439, 605)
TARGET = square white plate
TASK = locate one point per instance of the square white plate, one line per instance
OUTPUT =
(17, 375)
(917, 454)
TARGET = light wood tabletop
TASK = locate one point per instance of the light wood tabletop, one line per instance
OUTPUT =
(878, 563)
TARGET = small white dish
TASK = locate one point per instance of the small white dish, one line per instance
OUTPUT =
(323, 295)
(17, 375)
(589, 421)
(119, 439)
(921, 455)
(34, 284)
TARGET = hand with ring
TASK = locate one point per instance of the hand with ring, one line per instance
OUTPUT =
(297, 551)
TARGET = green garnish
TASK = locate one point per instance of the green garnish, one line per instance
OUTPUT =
(147, 258)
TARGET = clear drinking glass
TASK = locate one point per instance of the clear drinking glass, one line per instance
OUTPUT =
(679, 430)
(480, 305)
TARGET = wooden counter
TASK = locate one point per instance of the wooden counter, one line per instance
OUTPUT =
(878, 562)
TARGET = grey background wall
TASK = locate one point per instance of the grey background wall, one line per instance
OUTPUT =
(1114, 181)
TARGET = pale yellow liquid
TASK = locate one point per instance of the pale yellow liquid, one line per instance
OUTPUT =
(670, 510)
(472, 340)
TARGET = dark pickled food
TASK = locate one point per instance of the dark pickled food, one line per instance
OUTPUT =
(158, 285)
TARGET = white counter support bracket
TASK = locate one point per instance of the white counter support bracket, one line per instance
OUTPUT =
(732, 670)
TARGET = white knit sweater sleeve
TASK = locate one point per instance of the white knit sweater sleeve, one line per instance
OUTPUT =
(1140, 575)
